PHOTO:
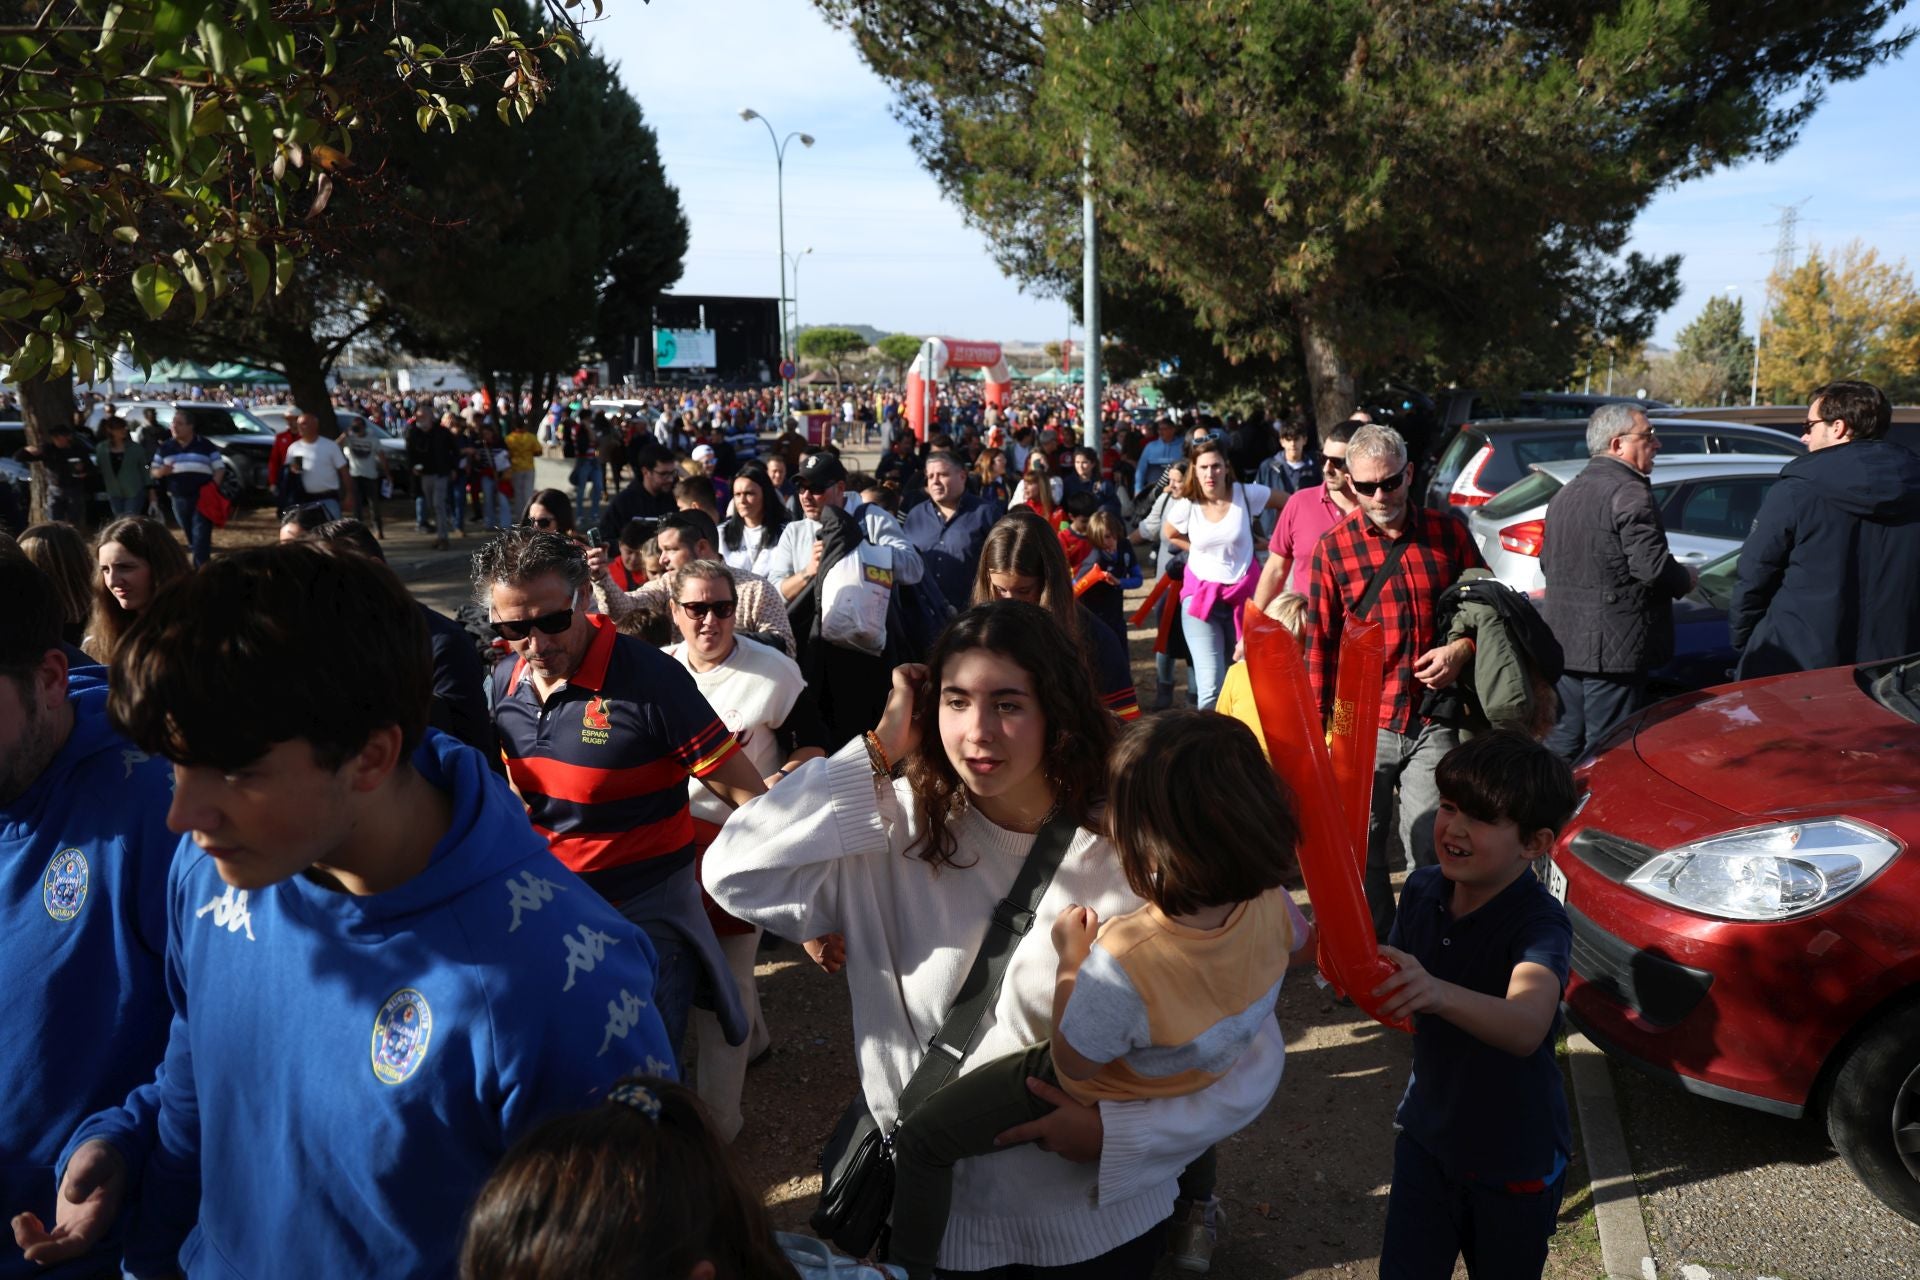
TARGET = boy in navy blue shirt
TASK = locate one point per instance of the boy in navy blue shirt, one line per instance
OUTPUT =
(1480, 1164)
(380, 976)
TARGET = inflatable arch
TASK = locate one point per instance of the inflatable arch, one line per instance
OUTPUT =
(929, 368)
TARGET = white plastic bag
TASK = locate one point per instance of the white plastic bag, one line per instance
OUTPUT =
(853, 599)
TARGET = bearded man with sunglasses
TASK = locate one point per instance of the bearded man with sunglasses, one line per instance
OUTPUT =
(1389, 562)
(600, 733)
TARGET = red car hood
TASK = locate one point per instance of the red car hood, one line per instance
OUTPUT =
(1784, 745)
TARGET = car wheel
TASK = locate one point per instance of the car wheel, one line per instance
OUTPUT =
(1873, 1111)
(242, 470)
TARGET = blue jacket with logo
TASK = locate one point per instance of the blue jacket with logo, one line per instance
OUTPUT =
(83, 935)
(343, 1073)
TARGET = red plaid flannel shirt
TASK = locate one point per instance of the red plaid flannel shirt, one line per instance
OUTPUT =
(1343, 560)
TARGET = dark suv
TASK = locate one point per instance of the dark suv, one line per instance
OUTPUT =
(1485, 457)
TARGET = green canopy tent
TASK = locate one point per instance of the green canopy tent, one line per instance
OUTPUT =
(1055, 378)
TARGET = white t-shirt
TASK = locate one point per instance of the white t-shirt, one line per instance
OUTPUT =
(753, 693)
(320, 465)
(1222, 549)
(753, 554)
(362, 453)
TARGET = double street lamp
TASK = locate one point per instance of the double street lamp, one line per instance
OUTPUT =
(793, 259)
(780, 190)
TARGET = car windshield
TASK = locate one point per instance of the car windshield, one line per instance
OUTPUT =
(1716, 580)
(1895, 685)
(1522, 495)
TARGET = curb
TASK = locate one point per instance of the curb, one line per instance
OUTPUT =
(1624, 1251)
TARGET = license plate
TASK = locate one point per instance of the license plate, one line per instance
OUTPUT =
(1556, 882)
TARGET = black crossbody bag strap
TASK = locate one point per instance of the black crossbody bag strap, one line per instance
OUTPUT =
(1012, 918)
(1378, 582)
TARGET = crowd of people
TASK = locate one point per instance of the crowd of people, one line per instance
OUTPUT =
(435, 954)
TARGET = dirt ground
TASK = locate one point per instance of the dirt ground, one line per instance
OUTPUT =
(1305, 1186)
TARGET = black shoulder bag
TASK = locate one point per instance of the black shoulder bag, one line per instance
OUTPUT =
(1378, 581)
(856, 1168)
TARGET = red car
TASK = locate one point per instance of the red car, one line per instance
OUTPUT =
(1746, 914)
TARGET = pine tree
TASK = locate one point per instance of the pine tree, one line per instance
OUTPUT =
(1356, 186)
(1718, 344)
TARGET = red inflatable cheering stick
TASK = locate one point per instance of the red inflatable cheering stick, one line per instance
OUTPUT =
(1350, 737)
(1296, 744)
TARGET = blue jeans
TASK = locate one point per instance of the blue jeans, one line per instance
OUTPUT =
(1433, 1218)
(585, 478)
(433, 500)
(199, 529)
(1406, 761)
(1210, 649)
(1591, 706)
(127, 506)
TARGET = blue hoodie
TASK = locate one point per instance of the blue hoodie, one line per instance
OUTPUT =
(344, 1072)
(83, 935)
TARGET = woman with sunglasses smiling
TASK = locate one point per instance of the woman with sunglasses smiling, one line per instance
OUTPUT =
(762, 697)
(1213, 521)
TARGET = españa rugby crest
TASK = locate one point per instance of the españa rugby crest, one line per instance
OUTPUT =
(401, 1032)
(64, 886)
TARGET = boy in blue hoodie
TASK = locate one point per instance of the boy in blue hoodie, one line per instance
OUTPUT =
(84, 849)
(380, 976)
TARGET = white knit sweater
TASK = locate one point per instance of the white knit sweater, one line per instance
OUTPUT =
(824, 852)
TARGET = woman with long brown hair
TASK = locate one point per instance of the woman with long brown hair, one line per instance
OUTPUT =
(58, 550)
(136, 557)
(1022, 560)
(1001, 738)
(1039, 489)
(1213, 521)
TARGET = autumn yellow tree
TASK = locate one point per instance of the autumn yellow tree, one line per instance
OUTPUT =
(1842, 315)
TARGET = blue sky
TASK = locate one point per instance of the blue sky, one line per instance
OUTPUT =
(890, 252)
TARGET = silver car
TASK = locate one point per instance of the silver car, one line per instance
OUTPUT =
(1707, 501)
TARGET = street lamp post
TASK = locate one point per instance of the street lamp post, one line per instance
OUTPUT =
(780, 205)
(794, 259)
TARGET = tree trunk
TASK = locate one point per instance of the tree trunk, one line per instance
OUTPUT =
(44, 401)
(1329, 380)
(306, 370)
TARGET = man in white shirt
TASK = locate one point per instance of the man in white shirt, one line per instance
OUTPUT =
(822, 482)
(321, 467)
(759, 694)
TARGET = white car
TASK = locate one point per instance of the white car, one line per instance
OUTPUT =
(1707, 502)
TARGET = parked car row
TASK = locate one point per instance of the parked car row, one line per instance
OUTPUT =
(1707, 502)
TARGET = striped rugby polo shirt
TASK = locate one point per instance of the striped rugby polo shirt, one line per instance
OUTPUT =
(603, 764)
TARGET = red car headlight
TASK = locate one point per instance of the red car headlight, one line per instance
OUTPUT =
(1774, 872)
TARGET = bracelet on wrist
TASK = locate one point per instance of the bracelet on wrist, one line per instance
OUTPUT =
(877, 756)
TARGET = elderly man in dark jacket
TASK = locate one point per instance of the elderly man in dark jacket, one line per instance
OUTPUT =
(1830, 574)
(1611, 581)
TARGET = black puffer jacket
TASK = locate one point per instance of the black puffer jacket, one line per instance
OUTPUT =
(1830, 574)
(1611, 581)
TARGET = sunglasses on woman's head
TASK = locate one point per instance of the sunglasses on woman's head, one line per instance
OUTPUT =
(1367, 488)
(550, 624)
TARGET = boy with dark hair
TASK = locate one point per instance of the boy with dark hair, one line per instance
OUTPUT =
(380, 976)
(1480, 1164)
(84, 849)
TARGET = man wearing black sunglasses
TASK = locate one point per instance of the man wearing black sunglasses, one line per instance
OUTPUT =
(600, 733)
(1389, 562)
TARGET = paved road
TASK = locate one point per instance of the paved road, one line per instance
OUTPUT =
(1733, 1194)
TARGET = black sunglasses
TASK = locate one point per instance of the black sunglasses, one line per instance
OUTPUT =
(701, 608)
(543, 522)
(1367, 488)
(550, 624)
